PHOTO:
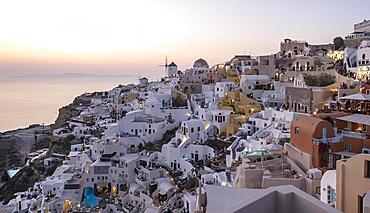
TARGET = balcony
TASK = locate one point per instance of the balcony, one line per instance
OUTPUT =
(101, 182)
(358, 135)
(71, 186)
(141, 180)
(335, 139)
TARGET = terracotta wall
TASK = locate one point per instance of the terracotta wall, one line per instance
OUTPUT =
(352, 182)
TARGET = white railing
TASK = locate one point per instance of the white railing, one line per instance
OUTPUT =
(351, 134)
(335, 139)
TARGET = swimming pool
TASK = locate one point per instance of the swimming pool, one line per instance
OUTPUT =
(90, 199)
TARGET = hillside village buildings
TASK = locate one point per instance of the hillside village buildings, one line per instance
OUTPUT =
(361, 32)
(252, 134)
(357, 60)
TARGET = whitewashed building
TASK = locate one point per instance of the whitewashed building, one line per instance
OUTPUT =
(357, 61)
(328, 187)
(221, 88)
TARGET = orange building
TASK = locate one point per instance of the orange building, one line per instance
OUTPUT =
(309, 135)
(355, 129)
(326, 142)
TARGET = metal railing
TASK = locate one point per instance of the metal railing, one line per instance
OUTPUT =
(335, 139)
(351, 134)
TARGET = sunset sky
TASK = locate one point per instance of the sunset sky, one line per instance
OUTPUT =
(119, 37)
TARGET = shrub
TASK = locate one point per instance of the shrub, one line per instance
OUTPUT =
(179, 102)
(29, 172)
(70, 137)
(322, 80)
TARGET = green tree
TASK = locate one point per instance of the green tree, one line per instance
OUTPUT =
(338, 43)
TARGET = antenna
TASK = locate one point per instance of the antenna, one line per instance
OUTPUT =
(165, 65)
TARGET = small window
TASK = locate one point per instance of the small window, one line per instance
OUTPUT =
(331, 195)
(296, 130)
(348, 147)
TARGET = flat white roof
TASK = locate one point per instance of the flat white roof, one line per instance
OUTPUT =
(101, 163)
(356, 118)
(13, 172)
(72, 154)
(152, 209)
(164, 187)
(222, 111)
(256, 77)
(134, 187)
(230, 199)
(129, 157)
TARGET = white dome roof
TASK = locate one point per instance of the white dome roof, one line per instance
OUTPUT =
(201, 63)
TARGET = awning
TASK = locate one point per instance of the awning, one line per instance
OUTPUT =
(356, 118)
(345, 153)
(358, 96)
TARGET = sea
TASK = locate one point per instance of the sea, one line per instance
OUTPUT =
(36, 100)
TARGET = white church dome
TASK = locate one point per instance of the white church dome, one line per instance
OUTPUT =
(200, 63)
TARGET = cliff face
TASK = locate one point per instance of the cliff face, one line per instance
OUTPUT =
(16, 144)
(65, 113)
(9, 155)
(70, 111)
(36, 171)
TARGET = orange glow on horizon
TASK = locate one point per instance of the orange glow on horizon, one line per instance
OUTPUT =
(144, 32)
